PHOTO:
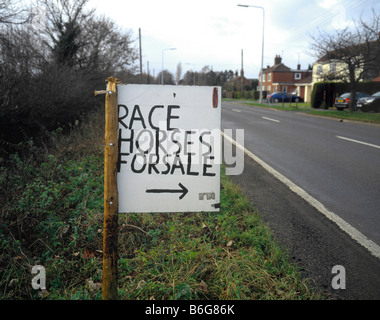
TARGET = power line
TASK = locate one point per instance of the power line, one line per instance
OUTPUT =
(321, 21)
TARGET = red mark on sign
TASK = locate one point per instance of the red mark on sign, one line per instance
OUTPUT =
(215, 97)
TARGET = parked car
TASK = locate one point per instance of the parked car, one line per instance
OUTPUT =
(343, 100)
(283, 97)
(368, 104)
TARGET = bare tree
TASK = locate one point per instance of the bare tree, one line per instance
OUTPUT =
(168, 77)
(12, 12)
(64, 23)
(49, 70)
(357, 49)
(105, 48)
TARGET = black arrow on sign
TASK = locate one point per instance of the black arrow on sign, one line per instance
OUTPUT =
(183, 190)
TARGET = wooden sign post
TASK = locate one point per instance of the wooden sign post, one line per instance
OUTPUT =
(162, 154)
(111, 201)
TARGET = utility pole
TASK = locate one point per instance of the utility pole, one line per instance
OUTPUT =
(141, 76)
(241, 74)
(148, 72)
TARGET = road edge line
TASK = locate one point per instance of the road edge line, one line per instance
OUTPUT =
(355, 234)
(359, 142)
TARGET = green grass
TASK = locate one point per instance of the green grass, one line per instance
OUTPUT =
(226, 255)
(52, 215)
(305, 108)
(348, 115)
(301, 106)
(287, 106)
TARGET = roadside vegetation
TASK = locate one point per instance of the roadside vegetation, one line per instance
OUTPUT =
(52, 215)
(348, 115)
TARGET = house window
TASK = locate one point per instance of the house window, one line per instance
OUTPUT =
(297, 76)
(284, 88)
(333, 67)
(319, 69)
(268, 88)
(269, 77)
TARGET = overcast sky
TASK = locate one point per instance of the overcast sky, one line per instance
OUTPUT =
(213, 32)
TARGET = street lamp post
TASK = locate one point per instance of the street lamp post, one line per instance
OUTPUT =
(162, 72)
(262, 48)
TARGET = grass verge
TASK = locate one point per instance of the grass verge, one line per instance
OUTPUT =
(348, 115)
(305, 108)
(52, 215)
(225, 255)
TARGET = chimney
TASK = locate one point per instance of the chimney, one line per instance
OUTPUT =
(277, 59)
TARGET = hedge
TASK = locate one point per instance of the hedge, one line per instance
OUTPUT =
(247, 94)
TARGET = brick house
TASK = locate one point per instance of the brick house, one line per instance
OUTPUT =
(279, 77)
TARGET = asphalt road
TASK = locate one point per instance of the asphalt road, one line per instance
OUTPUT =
(335, 162)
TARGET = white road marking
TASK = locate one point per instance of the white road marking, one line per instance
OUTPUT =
(236, 110)
(355, 234)
(361, 142)
(270, 119)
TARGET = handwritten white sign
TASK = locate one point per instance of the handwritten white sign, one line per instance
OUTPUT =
(169, 148)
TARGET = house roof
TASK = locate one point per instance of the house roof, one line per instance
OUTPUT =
(306, 80)
(278, 68)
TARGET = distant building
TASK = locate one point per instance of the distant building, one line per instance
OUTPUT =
(280, 78)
